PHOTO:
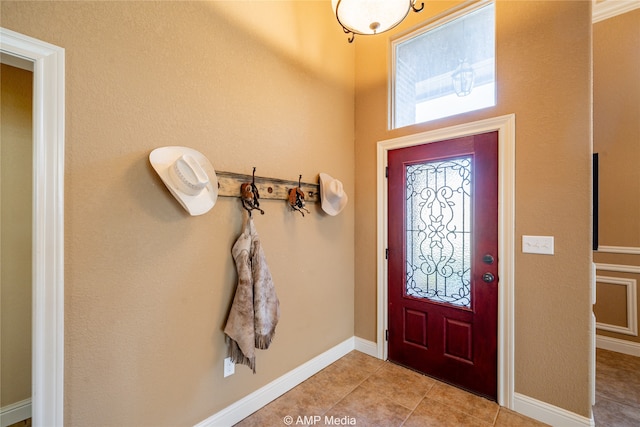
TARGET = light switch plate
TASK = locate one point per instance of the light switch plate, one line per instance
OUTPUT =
(537, 245)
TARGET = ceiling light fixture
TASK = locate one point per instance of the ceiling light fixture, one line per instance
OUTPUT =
(369, 17)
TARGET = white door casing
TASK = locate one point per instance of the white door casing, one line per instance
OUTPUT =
(48, 221)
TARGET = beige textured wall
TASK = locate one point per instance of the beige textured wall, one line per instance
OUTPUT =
(147, 287)
(616, 128)
(15, 233)
(544, 77)
(616, 137)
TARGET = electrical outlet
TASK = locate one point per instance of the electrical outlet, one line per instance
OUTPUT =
(229, 367)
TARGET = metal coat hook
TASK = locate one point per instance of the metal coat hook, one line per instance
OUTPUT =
(229, 185)
(296, 198)
(250, 196)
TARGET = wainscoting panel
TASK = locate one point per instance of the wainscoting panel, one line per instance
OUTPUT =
(631, 327)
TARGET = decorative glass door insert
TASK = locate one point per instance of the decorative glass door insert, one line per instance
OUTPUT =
(438, 207)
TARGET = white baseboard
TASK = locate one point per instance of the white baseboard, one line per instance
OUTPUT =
(276, 388)
(549, 414)
(15, 412)
(367, 347)
(618, 345)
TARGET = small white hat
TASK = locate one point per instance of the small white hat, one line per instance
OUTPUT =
(189, 176)
(332, 195)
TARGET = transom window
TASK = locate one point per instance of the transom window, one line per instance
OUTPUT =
(444, 69)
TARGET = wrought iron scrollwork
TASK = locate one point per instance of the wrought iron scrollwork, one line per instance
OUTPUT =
(439, 231)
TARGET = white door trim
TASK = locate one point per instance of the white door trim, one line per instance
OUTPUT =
(48, 222)
(505, 125)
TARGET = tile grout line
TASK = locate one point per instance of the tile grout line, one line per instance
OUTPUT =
(354, 388)
(418, 404)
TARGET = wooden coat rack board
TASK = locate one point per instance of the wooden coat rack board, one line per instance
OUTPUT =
(269, 188)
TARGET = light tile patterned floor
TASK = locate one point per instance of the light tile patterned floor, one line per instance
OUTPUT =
(364, 391)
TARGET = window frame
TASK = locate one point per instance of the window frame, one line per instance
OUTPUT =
(416, 31)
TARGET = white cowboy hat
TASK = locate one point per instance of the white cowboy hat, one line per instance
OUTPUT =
(189, 176)
(332, 195)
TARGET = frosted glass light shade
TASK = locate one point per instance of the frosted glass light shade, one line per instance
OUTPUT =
(370, 16)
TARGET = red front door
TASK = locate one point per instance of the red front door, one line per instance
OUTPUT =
(443, 266)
